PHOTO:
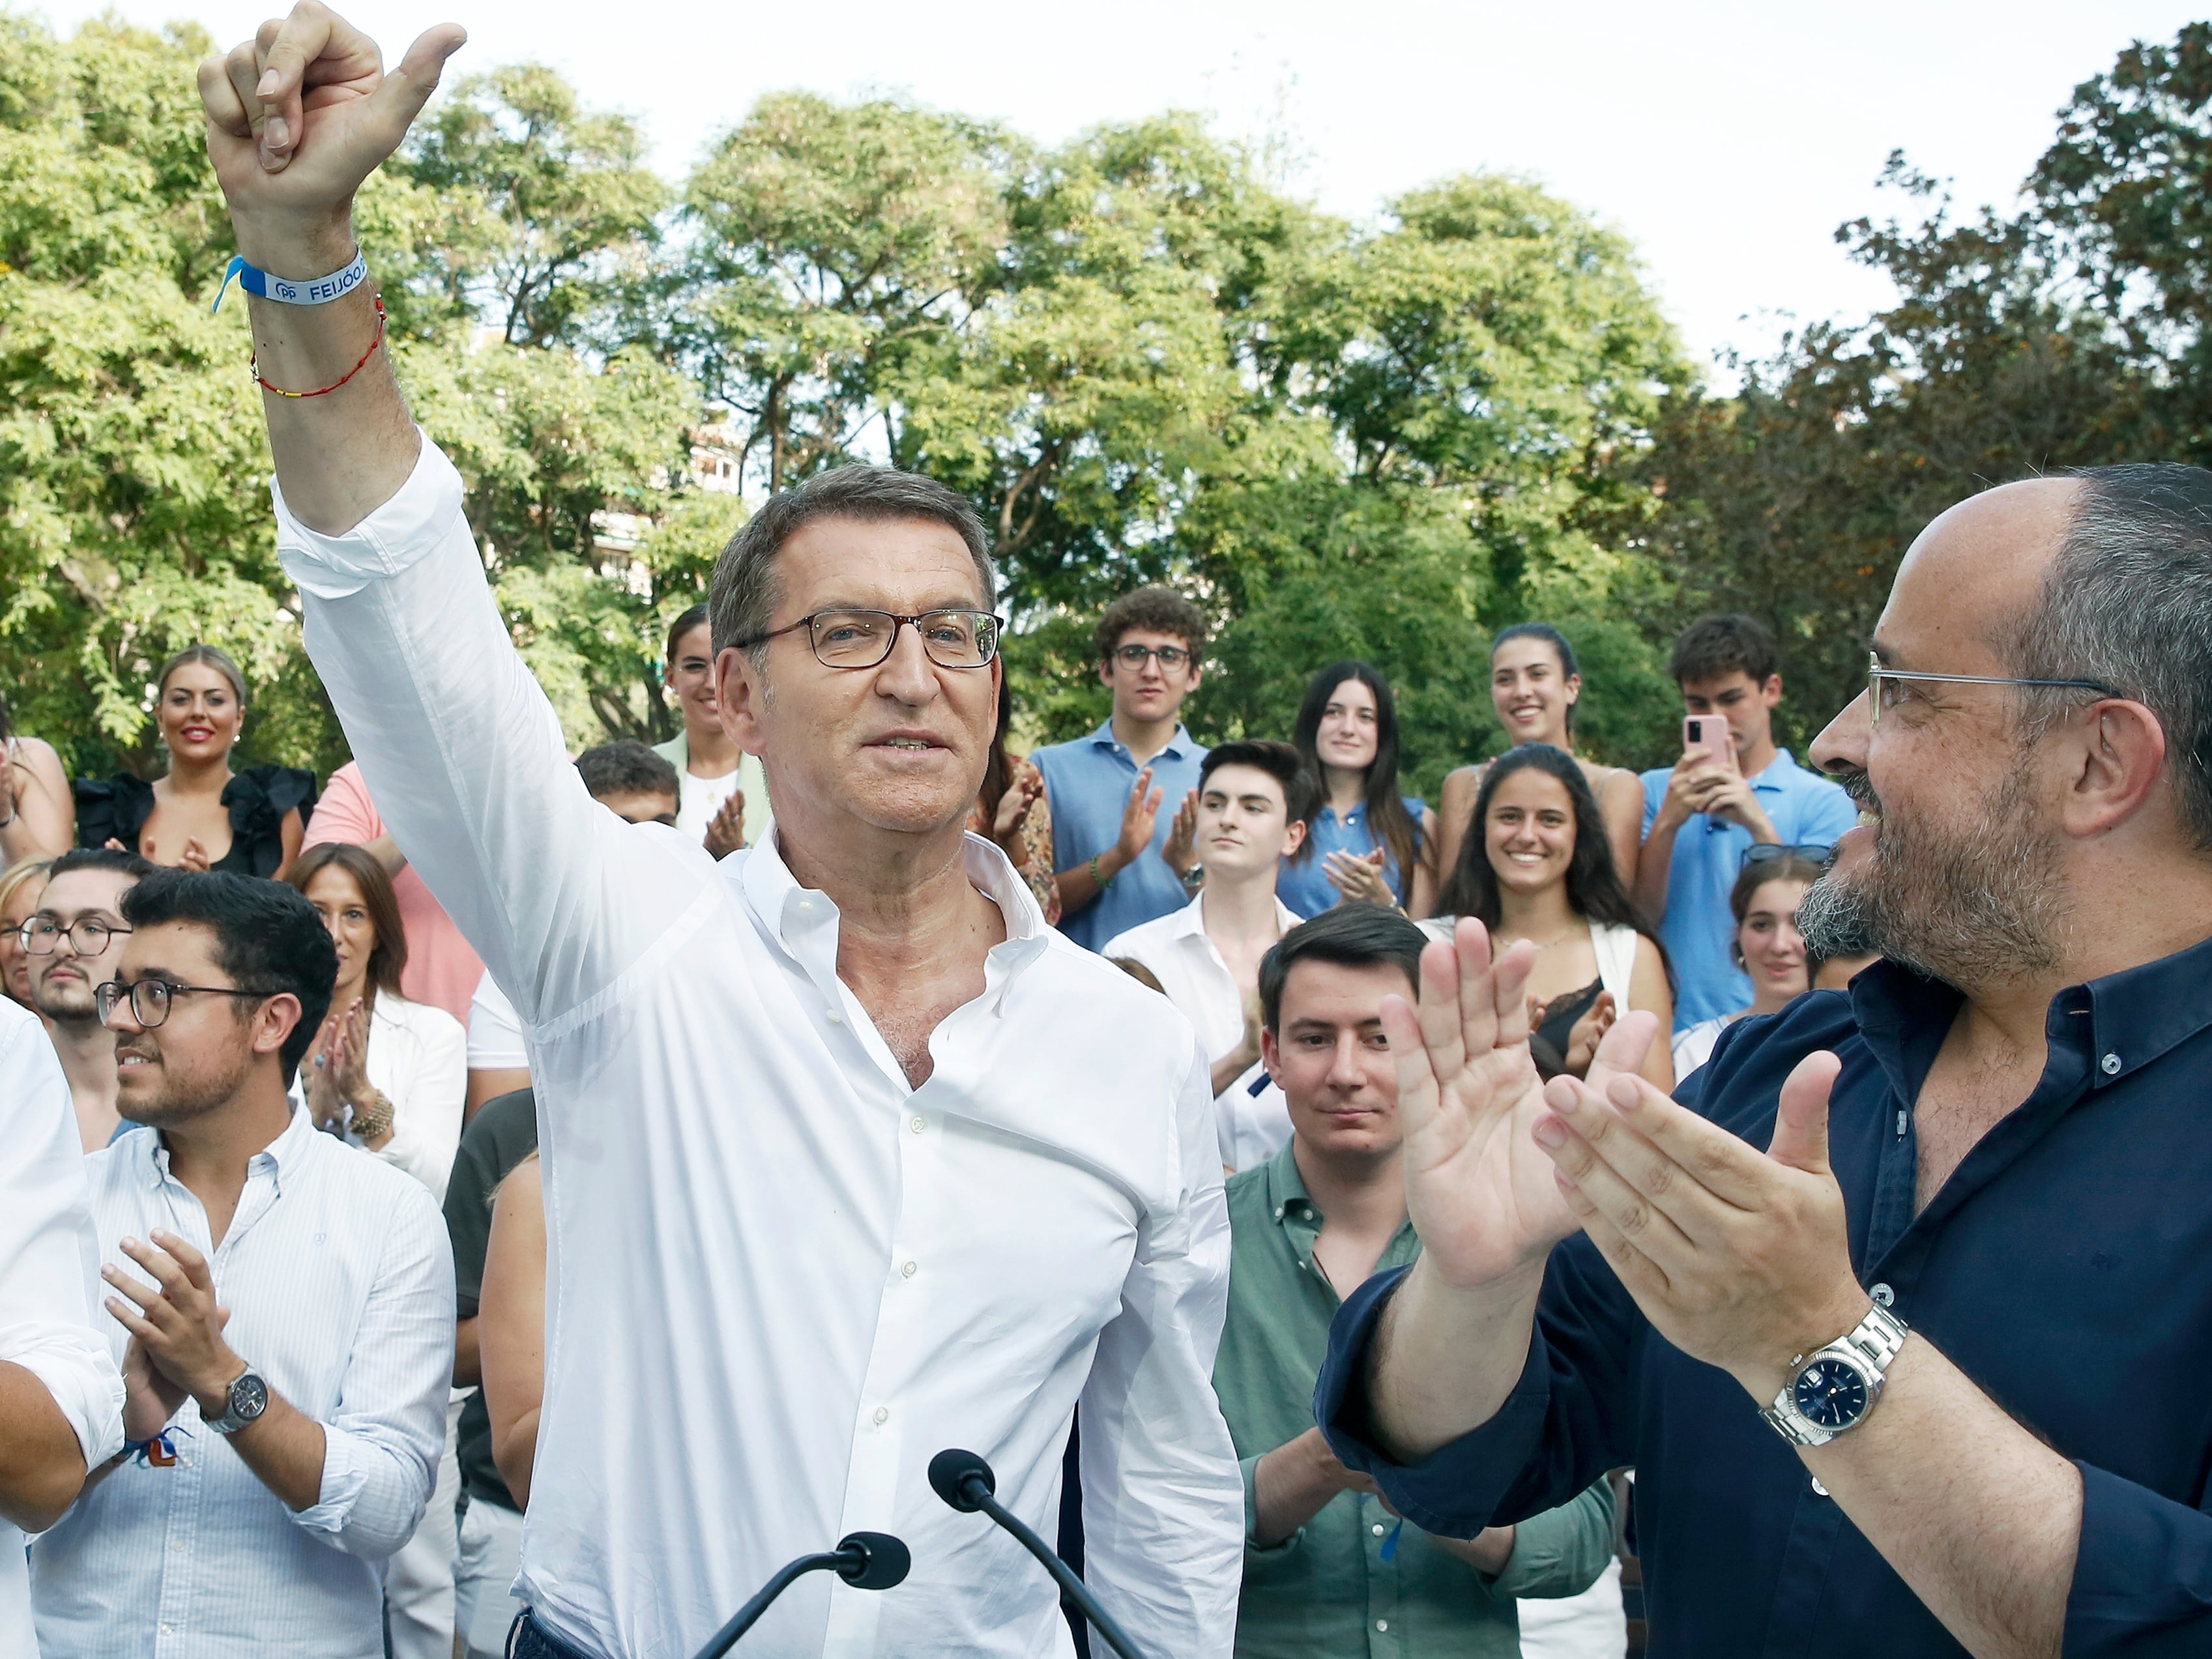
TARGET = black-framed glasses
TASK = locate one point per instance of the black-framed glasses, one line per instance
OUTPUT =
(861, 639)
(150, 998)
(1766, 852)
(1132, 656)
(41, 936)
(1879, 678)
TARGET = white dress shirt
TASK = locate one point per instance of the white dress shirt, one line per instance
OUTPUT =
(340, 1279)
(49, 1264)
(780, 1278)
(418, 1058)
(1251, 1119)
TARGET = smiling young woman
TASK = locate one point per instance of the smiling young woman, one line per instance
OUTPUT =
(199, 814)
(1539, 868)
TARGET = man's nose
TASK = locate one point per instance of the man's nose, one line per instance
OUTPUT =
(1842, 747)
(908, 674)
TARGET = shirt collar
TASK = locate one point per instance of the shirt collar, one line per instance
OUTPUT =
(282, 1154)
(2134, 1017)
(1776, 774)
(1177, 745)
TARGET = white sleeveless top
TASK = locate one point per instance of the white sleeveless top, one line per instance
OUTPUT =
(1614, 945)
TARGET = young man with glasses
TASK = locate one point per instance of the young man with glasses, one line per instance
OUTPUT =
(848, 1157)
(282, 1439)
(72, 942)
(1108, 789)
(1703, 815)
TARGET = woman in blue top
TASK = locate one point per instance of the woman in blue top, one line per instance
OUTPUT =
(1367, 841)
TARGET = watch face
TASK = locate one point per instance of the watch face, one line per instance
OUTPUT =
(249, 1397)
(1830, 1393)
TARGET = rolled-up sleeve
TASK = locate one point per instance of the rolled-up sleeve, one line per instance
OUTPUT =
(49, 1256)
(381, 1447)
(2143, 1575)
(1163, 1499)
(1566, 1421)
(1561, 1551)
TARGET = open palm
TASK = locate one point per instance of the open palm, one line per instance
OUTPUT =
(1482, 1194)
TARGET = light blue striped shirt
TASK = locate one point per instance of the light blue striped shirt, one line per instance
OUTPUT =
(339, 1277)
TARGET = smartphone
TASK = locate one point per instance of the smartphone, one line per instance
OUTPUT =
(1710, 733)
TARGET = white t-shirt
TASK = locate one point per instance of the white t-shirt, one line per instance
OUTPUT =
(494, 1031)
(699, 799)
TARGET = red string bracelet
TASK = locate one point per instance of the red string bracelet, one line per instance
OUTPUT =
(253, 363)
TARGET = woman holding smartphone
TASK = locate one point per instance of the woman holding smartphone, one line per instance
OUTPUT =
(1534, 684)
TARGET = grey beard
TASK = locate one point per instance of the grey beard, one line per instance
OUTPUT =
(1970, 908)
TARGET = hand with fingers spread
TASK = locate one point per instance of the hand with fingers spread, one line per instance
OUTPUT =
(726, 833)
(1738, 1257)
(1139, 817)
(176, 1334)
(1022, 792)
(1180, 849)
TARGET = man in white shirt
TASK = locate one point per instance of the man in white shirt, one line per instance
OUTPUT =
(1253, 799)
(283, 1441)
(72, 942)
(849, 1157)
(60, 1394)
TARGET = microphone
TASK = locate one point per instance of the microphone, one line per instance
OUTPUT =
(866, 1560)
(965, 1482)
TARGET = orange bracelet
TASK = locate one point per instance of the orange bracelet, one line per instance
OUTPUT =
(253, 363)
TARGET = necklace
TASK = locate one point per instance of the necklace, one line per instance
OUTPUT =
(1561, 940)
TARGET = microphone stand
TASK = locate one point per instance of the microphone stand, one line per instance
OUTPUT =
(965, 1482)
(866, 1560)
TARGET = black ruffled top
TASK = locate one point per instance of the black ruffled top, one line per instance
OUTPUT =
(117, 809)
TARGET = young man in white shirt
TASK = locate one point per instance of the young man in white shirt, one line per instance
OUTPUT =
(282, 1445)
(72, 942)
(60, 1394)
(848, 1157)
(1253, 799)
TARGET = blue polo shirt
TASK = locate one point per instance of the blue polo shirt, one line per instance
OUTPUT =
(1806, 810)
(1087, 782)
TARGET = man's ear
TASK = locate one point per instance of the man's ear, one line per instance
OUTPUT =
(278, 1018)
(1771, 693)
(2119, 755)
(1105, 670)
(1294, 838)
(1271, 1055)
(740, 691)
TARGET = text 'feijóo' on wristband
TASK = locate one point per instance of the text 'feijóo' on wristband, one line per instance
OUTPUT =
(314, 291)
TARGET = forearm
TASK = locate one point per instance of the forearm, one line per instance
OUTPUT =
(1232, 1065)
(468, 1360)
(1289, 1488)
(1489, 1551)
(1978, 1515)
(41, 1464)
(1445, 1358)
(516, 1451)
(1078, 884)
(1654, 864)
(386, 851)
(284, 1447)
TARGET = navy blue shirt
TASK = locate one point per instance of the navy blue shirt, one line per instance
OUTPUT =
(2065, 1267)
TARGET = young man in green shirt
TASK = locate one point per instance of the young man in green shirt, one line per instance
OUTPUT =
(1327, 1569)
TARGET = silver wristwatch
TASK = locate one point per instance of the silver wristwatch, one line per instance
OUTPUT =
(1831, 1390)
(248, 1399)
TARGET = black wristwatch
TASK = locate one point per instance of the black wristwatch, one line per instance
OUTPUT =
(248, 1399)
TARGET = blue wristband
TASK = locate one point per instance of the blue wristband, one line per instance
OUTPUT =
(316, 291)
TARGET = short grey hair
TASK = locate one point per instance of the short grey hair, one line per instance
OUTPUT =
(745, 591)
(2127, 602)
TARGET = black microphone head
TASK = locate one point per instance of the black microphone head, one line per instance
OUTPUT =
(950, 1475)
(873, 1560)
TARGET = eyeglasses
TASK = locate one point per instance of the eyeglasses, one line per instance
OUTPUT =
(41, 936)
(150, 998)
(1132, 656)
(861, 639)
(1766, 852)
(1878, 679)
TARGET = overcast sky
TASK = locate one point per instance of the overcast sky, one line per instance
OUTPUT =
(1727, 141)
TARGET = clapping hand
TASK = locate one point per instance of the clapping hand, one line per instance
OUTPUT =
(176, 1335)
(1139, 817)
(1014, 806)
(1359, 876)
(1180, 848)
(337, 1072)
(726, 833)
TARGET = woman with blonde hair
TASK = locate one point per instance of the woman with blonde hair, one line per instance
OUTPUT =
(199, 814)
(22, 886)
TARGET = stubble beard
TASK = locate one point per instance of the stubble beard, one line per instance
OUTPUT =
(1970, 908)
(181, 1100)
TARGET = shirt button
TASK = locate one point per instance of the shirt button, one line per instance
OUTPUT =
(1883, 1295)
(1381, 1623)
(2111, 1065)
(1818, 1488)
(910, 1270)
(177, 1544)
(806, 905)
(1379, 1529)
(883, 1415)
(917, 1123)
(833, 1016)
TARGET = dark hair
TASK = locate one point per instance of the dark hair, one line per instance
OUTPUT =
(388, 960)
(627, 767)
(267, 939)
(1551, 636)
(1279, 761)
(2127, 602)
(743, 592)
(102, 858)
(1388, 820)
(1350, 935)
(1789, 867)
(1156, 611)
(1594, 888)
(1713, 645)
(684, 624)
(998, 766)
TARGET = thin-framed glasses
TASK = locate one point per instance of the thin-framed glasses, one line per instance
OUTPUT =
(1879, 678)
(41, 936)
(1132, 656)
(861, 639)
(150, 998)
